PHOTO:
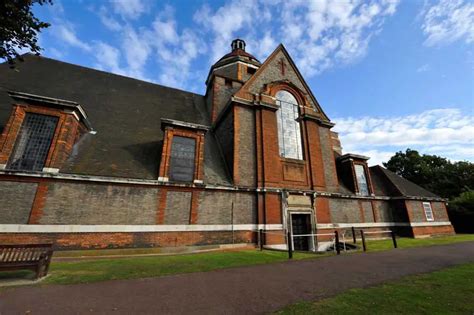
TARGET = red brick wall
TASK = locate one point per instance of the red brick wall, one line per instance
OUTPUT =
(125, 240)
(273, 207)
(323, 214)
(433, 230)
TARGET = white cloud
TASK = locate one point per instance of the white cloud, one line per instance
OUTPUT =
(65, 32)
(108, 58)
(107, 20)
(129, 9)
(227, 22)
(319, 34)
(447, 132)
(136, 50)
(448, 21)
(423, 68)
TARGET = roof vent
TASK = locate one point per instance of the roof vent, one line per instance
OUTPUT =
(238, 44)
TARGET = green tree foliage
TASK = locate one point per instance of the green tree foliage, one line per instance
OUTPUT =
(434, 173)
(463, 203)
(19, 28)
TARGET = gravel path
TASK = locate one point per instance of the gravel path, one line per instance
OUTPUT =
(245, 290)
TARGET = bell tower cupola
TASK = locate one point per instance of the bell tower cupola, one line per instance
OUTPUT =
(236, 65)
(228, 75)
(238, 44)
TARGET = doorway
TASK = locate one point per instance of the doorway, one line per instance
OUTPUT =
(301, 225)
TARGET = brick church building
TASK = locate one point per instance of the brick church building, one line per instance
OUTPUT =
(90, 159)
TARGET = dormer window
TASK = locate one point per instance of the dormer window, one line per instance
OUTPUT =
(289, 129)
(183, 152)
(361, 180)
(182, 160)
(352, 169)
(33, 142)
(40, 133)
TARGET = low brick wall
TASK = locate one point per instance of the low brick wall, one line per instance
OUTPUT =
(129, 239)
(433, 230)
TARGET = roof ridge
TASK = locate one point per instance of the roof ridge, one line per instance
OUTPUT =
(388, 172)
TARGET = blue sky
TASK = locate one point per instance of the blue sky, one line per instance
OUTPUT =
(390, 74)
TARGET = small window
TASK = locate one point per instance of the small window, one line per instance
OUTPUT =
(361, 180)
(33, 142)
(182, 159)
(428, 211)
(251, 70)
(228, 82)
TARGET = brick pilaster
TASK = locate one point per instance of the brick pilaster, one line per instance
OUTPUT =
(193, 218)
(160, 214)
(38, 203)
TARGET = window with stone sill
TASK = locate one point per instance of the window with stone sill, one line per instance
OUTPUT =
(361, 180)
(289, 129)
(182, 159)
(33, 142)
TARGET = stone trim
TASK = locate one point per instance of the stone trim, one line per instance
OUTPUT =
(178, 123)
(380, 224)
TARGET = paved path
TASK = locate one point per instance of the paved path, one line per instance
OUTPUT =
(245, 290)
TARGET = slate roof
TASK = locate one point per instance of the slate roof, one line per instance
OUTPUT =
(390, 184)
(125, 112)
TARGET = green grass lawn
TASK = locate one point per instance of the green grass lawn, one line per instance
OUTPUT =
(449, 291)
(155, 266)
(405, 242)
(92, 270)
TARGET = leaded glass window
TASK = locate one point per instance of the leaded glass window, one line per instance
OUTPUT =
(33, 142)
(182, 159)
(289, 130)
(361, 180)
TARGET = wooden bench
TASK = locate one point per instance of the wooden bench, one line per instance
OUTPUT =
(35, 257)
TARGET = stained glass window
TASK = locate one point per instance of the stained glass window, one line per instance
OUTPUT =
(182, 159)
(361, 180)
(289, 130)
(33, 142)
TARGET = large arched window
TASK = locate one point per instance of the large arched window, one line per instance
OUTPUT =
(289, 130)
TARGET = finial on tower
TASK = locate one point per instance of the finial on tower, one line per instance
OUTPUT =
(238, 44)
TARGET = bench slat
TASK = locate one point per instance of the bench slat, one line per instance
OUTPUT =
(26, 256)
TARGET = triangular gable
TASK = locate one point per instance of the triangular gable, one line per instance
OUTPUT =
(271, 71)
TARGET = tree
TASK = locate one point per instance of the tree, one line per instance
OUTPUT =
(461, 212)
(434, 173)
(19, 28)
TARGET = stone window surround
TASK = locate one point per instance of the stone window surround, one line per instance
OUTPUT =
(173, 128)
(59, 149)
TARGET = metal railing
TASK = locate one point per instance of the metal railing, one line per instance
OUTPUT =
(364, 244)
(335, 239)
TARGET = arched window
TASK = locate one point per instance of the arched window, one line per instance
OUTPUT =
(289, 130)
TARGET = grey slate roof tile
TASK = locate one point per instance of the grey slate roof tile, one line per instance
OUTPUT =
(125, 112)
